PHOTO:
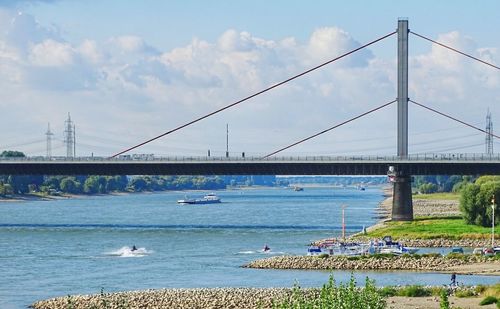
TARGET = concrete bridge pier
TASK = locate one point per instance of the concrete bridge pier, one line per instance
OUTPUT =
(402, 205)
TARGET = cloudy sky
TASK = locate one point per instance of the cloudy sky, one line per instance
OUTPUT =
(130, 70)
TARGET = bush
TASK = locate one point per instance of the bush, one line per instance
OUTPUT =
(333, 296)
(353, 258)
(444, 303)
(456, 256)
(431, 255)
(388, 291)
(465, 293)
(488, 300)
(436, 290)
(414, 291)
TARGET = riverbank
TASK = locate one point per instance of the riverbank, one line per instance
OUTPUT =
(244, 298)
(430, 263)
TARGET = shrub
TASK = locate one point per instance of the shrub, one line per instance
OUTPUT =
(480, 288)
(465, 293)
(388, 291)
(414, 291)
(488, 300)
(444, 303)
(431, 255)
(493, 290)
(456, 256)
(333, 296)
(382, 256)
(436, 290)
(353, 258)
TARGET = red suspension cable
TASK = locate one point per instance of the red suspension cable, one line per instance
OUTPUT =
(455, 50)
(254, 95)
(329, 129)
(453, 118)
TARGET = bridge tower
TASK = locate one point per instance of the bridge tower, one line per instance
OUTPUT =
(402, 206)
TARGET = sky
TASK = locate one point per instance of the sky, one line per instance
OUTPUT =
(128, 71)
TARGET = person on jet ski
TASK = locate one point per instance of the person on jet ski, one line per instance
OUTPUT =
(134, 248)
(266, 248)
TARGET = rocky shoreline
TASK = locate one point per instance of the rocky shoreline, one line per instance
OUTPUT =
(244, 298)
(175, 298)
(432, 262)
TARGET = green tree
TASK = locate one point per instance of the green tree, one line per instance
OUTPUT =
(91, 185)
(70, 185)
(138, 184)
(5, 189)
(428, 188)
(12, 154)
(476, 201)
(52, 182)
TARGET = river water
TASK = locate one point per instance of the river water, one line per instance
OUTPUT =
(78, 246)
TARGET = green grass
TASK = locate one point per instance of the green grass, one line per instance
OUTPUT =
(488, 300)
(438, 196)
(429, 228)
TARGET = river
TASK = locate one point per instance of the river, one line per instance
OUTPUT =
(80, 245)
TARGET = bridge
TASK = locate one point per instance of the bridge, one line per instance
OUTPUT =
(400, 167)
(426, 164)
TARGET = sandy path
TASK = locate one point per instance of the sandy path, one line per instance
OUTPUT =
(433, 302)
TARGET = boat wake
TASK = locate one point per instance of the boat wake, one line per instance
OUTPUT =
(127, 252)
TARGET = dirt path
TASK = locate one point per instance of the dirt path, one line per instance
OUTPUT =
(433, 302)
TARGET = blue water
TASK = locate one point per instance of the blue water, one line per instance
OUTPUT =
(78, 246)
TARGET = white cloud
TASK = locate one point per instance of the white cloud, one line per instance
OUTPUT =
(124, 90)
(52, 53)
(132, 44)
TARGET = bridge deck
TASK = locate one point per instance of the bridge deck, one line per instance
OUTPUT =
(452, 164)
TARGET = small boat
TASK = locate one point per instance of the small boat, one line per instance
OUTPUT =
(313, 250)
(333, 247)
(210, 198)
(388, 246)
(296, 188)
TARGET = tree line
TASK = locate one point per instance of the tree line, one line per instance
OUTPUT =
(478, 195)
(94, 184)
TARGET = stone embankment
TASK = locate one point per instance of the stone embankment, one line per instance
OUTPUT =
(175, 298)
(423, 208)
(416, 262)
(436, 242)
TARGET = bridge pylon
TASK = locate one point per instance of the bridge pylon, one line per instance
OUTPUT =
(402, 205)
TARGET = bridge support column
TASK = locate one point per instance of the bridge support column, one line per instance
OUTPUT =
(402, 205)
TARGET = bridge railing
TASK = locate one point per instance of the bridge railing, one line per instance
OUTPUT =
(147, 158)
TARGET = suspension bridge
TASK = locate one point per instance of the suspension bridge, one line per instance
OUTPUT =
(399, 167)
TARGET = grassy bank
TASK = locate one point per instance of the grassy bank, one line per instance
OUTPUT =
(447, 196)
(431, 228)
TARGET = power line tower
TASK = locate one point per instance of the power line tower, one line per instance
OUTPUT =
(69, 137)
(489, 134)
(49, 141)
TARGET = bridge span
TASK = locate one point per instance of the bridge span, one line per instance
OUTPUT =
(426, 164)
